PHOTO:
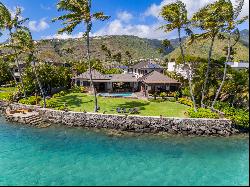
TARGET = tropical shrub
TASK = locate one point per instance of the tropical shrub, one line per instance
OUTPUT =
(78, 89)
(60, 94)
(202, 113)
(185, 101)
(239, 116)
(171, 99)
(163, 95)
(7, 96)
(30, 100)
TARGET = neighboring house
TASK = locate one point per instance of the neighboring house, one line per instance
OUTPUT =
(144, 77)
(173, 67)
(16, 72)
(239, 65)
(145, 67)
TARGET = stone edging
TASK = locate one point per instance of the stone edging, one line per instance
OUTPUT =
(137, 124)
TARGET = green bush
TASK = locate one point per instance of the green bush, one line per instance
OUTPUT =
(163, 95)
(78, 89)
(60, 94)
(30, 100)
(239, 116)
(185, 102)
(7, 96)
(50, 103)
(177, 95)
(171, 99)
(202, 113)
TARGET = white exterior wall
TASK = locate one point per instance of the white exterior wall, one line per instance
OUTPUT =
(238, 65)
(172, 67)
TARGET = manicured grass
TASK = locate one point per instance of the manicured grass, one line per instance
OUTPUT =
(80, 102)
(4, 92)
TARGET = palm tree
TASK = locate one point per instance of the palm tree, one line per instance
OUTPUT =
(30, 49)
(79, 11)
(231, 29)
(176, 16)
(211, 20)
(12, 24)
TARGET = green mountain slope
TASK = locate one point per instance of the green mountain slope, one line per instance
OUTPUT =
(138, 47)
(245, 37)
(200, 49)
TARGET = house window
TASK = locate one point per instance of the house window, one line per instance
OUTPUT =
(78, 83)
(135, 70)
(86, 84)
(146, 71)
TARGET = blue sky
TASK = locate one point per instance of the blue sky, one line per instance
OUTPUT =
(131, 17)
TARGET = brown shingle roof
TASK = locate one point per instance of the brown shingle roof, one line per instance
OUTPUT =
(157, 78)
(123, 78)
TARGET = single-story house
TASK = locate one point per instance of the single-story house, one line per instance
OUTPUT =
(154, 81)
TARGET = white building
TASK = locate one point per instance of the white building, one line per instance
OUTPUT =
(239, 65)
(173, 67)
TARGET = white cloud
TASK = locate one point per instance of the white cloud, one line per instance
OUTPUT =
(64, 36)
(124, 16)
(192, 7)
(38, 26)
(117, 27)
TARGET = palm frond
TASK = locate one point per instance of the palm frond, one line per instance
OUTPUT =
(100, 16)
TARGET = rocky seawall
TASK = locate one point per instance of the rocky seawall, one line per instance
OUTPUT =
(136, 124)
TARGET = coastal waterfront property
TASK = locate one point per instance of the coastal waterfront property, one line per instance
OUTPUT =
(146, 77)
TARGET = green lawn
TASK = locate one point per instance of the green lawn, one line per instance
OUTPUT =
(4, 92)
(80, 102)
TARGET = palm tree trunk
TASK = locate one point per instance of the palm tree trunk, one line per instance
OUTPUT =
(40, 86)
(90, 68)
(207, 72)
(21, 78)
(187, 70)
(18, 66)
(225, 70)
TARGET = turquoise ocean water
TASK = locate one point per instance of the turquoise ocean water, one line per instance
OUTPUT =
(63, 156)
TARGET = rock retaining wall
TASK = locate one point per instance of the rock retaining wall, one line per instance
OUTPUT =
(137, 124)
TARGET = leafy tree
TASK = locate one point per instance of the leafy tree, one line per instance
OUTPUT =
(211, 20)
(79, 11)
(231, 29)
(13, 24)
(175, 14)
(5, 75)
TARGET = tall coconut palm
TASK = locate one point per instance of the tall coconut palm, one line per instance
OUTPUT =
(231, 30)
(11, 24)
(176, 16)
(30, 47)
(79, 11)
(211, 20)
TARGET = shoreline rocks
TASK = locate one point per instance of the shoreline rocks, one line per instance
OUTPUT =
(136, 124)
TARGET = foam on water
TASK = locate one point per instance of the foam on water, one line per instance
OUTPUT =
(63, 156)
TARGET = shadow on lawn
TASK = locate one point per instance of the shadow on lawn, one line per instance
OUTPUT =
(72, 100)
(133, 104)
